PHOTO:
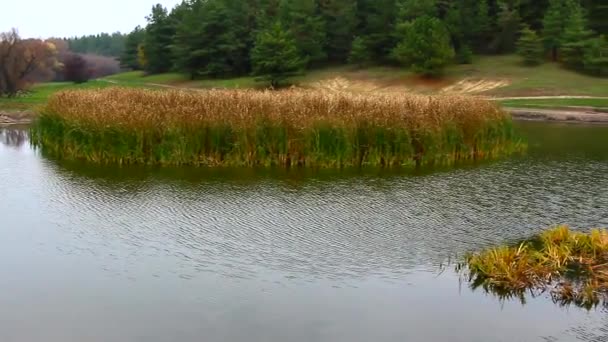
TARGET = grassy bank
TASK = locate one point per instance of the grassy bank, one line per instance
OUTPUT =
(287, 128)
(572, 266)
(38, 94)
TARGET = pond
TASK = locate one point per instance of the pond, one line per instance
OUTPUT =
(93, 253)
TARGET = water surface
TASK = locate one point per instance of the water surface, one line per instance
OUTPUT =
(94, 253)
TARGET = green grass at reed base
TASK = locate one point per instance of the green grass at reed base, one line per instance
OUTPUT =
(285, 128)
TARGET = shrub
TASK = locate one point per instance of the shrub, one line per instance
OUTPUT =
(75, 69)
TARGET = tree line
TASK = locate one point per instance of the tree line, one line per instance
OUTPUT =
(277, 38)
(104, 44)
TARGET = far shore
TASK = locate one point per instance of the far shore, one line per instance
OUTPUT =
(587, 116)
(16, 117)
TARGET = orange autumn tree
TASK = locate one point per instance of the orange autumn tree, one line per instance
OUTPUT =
(21, 59)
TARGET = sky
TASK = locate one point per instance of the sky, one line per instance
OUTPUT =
(67, 18)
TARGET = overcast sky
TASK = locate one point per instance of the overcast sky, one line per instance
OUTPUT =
(67, 18)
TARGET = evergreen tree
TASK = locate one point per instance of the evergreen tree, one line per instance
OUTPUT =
(360, 54)
(129, 59)
(554, 24)
(158, 40)
(308, 28)
(597, 11)
(464, 55)
(210, 41)
(508, 27)
(530, 47)
(341, 20)
(275, 55)
(425, 47)
(484, 25)
(408, 10)
(595, 59)
(532, 11)
(376, 25)
(575, 39)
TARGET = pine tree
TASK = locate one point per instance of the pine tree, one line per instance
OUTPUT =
(597, 11)
(555, 20)
(376, 25)
(575, 39)
(532, 11)
(408, 10)
(530, 47)
(308, 28)
(508, 27)
(275, 55)
(158, 40)
(484, 25)
(595, 60)
(360, 54)
(341, 20)
(210, 39)
(425, 47)
(128, 59)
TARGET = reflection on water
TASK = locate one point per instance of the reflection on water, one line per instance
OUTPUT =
(159, 254)
(15, 137)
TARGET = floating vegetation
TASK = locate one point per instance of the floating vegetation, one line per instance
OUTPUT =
(268, 128)
(571, 266)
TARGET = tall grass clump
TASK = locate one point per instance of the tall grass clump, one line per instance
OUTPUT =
(572, 266)
(286, 128)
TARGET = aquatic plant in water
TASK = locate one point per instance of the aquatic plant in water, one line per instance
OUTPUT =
(269, 128)
(571, 266)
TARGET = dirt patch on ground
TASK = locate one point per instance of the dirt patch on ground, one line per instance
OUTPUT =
(16, 117)
(342, 84)
(474, 86)
(409, 84)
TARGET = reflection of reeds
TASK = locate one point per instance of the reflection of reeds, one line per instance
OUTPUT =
(573, 265)
(287, 128)
(13, 137)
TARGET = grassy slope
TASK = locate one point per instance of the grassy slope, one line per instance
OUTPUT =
(546, 79)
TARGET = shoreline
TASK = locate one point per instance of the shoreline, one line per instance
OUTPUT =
(16, 117)
(559, 115)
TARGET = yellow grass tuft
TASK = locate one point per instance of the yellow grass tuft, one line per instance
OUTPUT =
(573, 265)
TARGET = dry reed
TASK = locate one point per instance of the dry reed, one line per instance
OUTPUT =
(287, 128)
(573, 266)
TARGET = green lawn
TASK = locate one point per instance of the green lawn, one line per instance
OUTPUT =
(39, 93)
(140, 77)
